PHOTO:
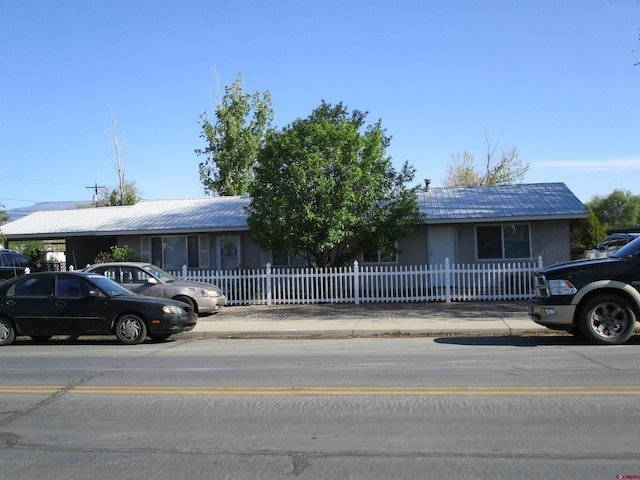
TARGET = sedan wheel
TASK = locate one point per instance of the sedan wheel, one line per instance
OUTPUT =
(607, 319)
(7, 332)
(130, 329)
(189, 301)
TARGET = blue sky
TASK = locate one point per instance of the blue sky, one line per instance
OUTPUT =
(554, 78)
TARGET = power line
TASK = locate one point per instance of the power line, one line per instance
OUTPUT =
(46, 181)
(95, 195)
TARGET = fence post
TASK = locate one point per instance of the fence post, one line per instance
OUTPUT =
(184, 272)
(268, 280)
(356, 283)
(447, 281)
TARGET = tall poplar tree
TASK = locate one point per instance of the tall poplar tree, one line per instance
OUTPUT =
(233, 140)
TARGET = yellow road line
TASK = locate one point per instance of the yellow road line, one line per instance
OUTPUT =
(30, 389)
(328, 390)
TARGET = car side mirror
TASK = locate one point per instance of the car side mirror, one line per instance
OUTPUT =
(94, 293)
(152, 281)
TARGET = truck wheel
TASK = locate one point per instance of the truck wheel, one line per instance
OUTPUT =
(607, 319)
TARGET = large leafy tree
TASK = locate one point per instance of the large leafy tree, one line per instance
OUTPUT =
(325, 189)
(495, 168)
(233, 140)
(618, 209)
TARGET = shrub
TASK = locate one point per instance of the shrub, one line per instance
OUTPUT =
(119, 254)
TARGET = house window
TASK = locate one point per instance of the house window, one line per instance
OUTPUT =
(379, 257)
(282, 260)
(497, 242)
(173, 252)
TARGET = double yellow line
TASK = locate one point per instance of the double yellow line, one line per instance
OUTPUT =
(328, 390)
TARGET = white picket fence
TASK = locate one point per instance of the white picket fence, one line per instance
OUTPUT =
(368, 284)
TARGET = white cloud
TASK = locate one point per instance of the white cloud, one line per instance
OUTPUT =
(611, 165)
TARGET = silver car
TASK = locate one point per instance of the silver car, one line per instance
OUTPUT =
(147, 279)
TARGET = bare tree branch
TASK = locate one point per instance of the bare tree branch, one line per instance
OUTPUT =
(117, 154)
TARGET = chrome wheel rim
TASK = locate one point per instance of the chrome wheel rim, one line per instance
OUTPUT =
(609, 320)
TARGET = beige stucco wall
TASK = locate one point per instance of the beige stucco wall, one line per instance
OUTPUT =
(549, 238)
(251, 254)
(413, 248)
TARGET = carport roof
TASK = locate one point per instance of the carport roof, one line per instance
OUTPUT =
(145, 217)
(520, 202)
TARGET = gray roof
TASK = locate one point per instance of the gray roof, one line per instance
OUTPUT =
(226, 214)
(145, 217)
(535, 201)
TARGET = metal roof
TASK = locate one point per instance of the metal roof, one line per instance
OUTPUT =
(224, 214)
(520, 202)
(145, 217)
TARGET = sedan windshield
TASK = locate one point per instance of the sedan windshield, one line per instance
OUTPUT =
(160, 273)
(629, 250)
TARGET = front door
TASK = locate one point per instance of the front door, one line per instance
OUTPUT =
(442, 246)
(441, 242)
(228, 253)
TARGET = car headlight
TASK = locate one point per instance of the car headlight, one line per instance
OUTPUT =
(211, 293)
(175, 310)
(561, 287)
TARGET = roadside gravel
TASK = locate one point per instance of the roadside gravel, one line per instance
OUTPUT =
(461, 310)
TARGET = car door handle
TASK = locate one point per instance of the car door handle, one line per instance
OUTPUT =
(60, 303)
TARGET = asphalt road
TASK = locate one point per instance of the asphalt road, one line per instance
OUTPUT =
(507, 407)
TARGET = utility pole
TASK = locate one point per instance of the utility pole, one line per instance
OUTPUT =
(95, 187)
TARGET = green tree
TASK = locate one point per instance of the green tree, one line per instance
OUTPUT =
(618, 209)
(462, 171)
(586, 233)
(129, 194)
(507, 168)
(233, 140)
(326, 190)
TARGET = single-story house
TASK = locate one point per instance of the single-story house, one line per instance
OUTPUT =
(467, 225)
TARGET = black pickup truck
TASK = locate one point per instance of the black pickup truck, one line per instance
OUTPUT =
(596, 299)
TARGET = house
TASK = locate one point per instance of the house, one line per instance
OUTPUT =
(465, 225)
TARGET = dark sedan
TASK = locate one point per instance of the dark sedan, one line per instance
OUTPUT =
(44, 304)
